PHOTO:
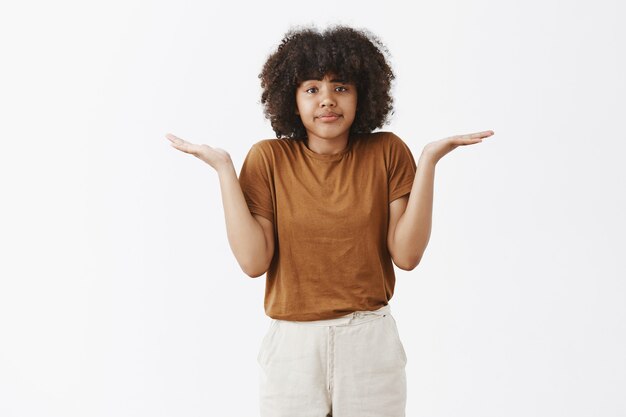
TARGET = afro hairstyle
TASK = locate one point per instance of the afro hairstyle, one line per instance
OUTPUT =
(354, 55)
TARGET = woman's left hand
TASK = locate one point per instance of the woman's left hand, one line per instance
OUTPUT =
(438, 149)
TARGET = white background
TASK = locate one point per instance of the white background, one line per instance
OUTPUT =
(119, 295)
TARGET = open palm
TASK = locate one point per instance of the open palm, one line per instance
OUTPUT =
(216, 157)
(440, 148)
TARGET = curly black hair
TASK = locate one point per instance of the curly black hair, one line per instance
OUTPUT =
(353, 55)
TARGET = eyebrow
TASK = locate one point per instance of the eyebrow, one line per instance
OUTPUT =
(333, 80)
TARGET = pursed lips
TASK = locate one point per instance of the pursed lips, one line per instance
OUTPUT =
(328, 117)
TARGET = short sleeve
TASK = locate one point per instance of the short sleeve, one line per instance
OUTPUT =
(256, 182)
(401, 168)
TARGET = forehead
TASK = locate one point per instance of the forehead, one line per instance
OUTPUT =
(329, 77)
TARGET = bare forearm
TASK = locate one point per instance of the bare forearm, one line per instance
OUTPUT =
(245, 235)
(413, 230)
(408, 241)
(251, 240)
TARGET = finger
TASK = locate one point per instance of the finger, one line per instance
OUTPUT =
(183, 145)
(464, 142)
(483, 134)
(472, 138)
(174, 139)
(180, 144)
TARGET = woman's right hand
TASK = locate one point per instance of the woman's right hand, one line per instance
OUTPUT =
(216, 157)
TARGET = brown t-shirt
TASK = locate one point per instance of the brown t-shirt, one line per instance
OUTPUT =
(330, 216)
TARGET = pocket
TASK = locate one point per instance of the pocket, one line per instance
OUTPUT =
(393, 331)
(266, 340)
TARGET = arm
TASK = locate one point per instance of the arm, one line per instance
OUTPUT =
(410, 218)
(251, 238)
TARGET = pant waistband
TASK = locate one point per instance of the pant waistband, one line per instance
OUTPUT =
(356, 317)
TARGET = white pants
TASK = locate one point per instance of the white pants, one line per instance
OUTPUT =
(351, 366)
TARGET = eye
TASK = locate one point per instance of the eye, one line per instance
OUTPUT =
(311, 90)
(341, 89)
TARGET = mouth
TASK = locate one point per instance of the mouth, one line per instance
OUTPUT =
(328, 117)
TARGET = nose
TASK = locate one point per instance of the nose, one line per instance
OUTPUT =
(327, 100)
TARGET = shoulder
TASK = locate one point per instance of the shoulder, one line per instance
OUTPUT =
(274, 147)
(380, 138)
(270, 153)
(381, 141)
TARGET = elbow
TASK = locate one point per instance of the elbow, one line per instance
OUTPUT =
(407, 264)
(254, 263)
(254, 269)
(254, 274)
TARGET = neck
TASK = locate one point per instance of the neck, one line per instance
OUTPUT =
(327, 146)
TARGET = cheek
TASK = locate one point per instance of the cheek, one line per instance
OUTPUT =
(353, 108)
(353, 103)
(302, 107)
(297, 106)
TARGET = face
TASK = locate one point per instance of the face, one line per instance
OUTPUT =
(327, 107)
